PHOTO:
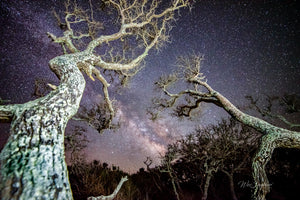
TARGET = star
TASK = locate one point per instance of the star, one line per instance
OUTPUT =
(250, 48)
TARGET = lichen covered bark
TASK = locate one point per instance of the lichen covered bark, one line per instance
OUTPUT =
(281, 138)
(206, 186)
(32, 162)
(274, 137)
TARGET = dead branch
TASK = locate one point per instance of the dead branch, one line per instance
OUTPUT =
(113, 195)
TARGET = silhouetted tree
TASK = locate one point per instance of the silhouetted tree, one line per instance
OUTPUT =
(75, 142)
(225, 147)
(152, 184)
(148, 163)
(166, 167)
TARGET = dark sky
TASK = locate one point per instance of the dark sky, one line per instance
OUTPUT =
(251, 47)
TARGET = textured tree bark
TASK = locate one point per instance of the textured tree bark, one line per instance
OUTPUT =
(114, 194)
(206, 186)
(274, 137)
(33, 162)
(280, 138)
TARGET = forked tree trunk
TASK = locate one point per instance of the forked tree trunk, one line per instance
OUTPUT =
(274, 137)
(277, 138)
(33, 161)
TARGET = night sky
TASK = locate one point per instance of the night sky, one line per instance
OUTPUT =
(251, 47)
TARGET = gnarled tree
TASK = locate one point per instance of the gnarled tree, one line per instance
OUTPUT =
(32, 161)
(188, 101)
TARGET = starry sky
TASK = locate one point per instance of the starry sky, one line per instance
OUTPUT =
(251, 47)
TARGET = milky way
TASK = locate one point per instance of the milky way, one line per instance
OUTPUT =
(250, 47)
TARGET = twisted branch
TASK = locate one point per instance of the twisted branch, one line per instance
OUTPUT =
(113, 195)
(142, 24)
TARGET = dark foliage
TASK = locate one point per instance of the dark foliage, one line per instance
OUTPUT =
(96, 178)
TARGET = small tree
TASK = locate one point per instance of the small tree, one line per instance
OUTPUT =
(32, 161)
(188, 101)
(166, 167)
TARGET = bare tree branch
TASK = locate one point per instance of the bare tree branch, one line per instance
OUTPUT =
(7, 112)
(167, 161)
(148, 162)
(113, 195)
(289, 101)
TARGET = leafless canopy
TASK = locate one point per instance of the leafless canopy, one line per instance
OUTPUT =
(187, 102)
(109, 47)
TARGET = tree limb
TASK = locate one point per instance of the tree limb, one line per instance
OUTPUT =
(7, 112)
(113, 195)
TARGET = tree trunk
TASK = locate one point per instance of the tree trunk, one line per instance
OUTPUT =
(274, 137)
(206, 186)
(33, 161)
(231, 183)
(232, 191)
(285, 139)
